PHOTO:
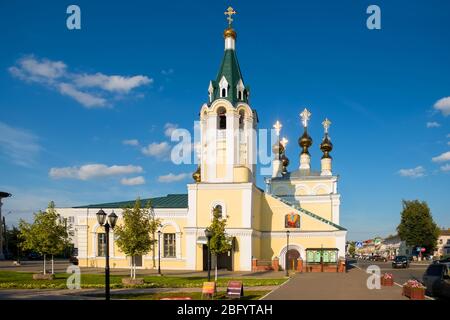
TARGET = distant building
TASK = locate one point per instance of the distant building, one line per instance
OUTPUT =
(443, 244)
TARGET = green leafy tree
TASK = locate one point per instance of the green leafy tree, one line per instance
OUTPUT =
(47, 235)
(220, 242)
(351, 248)
(417, 227)
(135, 235)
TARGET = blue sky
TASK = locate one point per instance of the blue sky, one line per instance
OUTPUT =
(384, 91)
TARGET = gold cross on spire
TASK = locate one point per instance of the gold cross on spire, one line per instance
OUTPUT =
(277, 126)
(230, 12)
(326, 124)
(284, 141)
(305, 116)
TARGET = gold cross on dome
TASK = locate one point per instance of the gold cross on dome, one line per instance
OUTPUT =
(230, 12)
(284, 141)
(277, 127)
(326, 124)
(305, 116)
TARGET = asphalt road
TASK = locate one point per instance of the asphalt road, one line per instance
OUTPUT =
(415, 270)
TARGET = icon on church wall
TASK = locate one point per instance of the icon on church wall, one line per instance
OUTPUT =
(292, 220)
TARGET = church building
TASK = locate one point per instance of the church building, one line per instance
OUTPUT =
(293, 223)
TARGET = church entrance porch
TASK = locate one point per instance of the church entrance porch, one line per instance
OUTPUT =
(223, 260)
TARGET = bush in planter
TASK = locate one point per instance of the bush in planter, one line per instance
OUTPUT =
(414, 290)
(387, 279)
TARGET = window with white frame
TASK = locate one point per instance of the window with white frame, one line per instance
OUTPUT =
(169, 250)
(101, 244)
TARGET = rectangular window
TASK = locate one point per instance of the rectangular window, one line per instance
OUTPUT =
(101, 244)
(169, 245)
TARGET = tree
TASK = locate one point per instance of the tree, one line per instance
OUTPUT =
(351, 248)
(135, 234)
(13, 242)
(219, 242)
(46, 236)
(417, 227)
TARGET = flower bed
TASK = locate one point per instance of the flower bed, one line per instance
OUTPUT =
(414, 290)
(387, 280)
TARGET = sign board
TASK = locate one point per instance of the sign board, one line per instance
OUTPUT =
(235, 289)
(359, 244)
(423, 250)
(209, 288)
(418, 249)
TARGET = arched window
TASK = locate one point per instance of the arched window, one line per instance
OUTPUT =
(221, 118)
(241, 119)
(217, 211)
(223, 93)
(101, 244)
(169, 250)
(240, 95)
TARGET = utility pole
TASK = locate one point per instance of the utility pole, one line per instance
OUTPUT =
(2, 195)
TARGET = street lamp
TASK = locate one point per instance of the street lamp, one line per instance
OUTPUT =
(2, 195)
(287, 253)
(111, 223)
(159, 252)
(209, 234)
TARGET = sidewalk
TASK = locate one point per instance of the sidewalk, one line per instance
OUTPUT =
(333, 286)
(93, 294)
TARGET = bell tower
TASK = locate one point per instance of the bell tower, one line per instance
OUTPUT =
(227, 150)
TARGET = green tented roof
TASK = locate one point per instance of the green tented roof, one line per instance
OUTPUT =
(229, 68)
(170, 201)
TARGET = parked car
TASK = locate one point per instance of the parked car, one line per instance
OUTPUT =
(400, 261)
(437, 280)
(34, 256)
(377, 257)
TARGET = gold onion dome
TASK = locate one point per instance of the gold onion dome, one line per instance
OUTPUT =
(305, 142)
(229, 32)
(278, 148)
(326, 146)
(196, 175)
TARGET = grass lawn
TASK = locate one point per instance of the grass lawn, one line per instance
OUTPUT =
(249, 295)
(24, 280)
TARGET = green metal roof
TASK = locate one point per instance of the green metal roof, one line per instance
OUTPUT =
(229, 68)
(309, 213)
(172, 201)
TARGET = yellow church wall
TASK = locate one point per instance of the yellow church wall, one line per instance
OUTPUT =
(321, 209)
(273, 213)
(232, 200)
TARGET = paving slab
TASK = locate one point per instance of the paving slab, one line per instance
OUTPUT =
(351, 285)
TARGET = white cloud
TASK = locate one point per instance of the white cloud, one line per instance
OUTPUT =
(443, 105)
(90, 90)
(158, 150)
(442, 158)
(90, 171)
(18, 145)
(43, 71)
(433, 124)
(86, 99)
(172, 177)
(132, 181)
(114, 83)
(416, 172)
(446, 167)
(131, 142)
(169, 128)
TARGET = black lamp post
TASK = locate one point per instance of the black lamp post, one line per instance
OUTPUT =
(159, 252)
(111, 223)
(287, 253)
(208, 234)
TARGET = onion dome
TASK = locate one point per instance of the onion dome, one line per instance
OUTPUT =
(197, 175)
(278, 148)
(285, 163)
(305, 142)
(326, 146)
(229, 32)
